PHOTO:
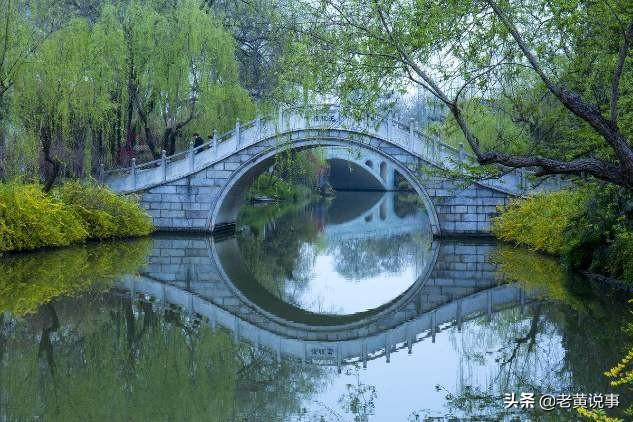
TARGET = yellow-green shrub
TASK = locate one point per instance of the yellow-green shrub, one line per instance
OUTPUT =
(72, 213)
(105, 214)
(30, 219)
(539, 222)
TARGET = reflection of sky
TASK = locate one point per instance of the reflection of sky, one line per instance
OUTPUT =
(328, 291)
(407, 384)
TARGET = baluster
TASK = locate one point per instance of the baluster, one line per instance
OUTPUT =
(280, 118)
(163, 163)
(237, 133)
(215, 142)
(191, 156)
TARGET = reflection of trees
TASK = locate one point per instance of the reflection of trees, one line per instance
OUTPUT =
(274, 391)
(407, 203)
(279, 253)
(362, 258)
(561, 344)
(118, 360)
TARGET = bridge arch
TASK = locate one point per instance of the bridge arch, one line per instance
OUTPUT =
(224, 209)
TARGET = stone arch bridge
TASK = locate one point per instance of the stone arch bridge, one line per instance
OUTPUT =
(203, 188)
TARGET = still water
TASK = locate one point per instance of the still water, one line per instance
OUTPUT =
(332, 310)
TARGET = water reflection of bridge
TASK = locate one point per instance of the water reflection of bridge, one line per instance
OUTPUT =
(192, 274)
(379, 219)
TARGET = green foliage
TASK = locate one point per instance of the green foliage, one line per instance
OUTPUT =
(539, 221)
(32, 280)
(370, 56)
(590, 227)
(599, 237)
(93, 87)
(495, 130)
(275, 187)
(106, 214)
(293, 175)
(31, 219)
(620, 254)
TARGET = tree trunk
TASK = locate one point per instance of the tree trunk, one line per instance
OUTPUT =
(169, 140)
(51, 176)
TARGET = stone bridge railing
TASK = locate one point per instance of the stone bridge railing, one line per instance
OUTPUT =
(339, 353)
(406, 136)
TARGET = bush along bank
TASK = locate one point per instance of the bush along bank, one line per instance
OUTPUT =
(72, 213)
(271, 187)
(590, 227)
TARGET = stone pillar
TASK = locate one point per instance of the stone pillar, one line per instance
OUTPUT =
(192, 156)
(238, 133)
(215, 142)
(390, 178)
(163, 163)
(411, 133)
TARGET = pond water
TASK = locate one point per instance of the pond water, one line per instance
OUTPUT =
(337, 310)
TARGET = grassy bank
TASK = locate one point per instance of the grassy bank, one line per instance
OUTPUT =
(274, 187)
(72, 213)
(589, 227)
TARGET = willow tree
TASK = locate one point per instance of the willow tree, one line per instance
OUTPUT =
(143, 71)
(20, 38)
(62, 96)
(181, 73)
(527, 59)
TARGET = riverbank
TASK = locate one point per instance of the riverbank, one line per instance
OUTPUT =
(72, 213)
(588, 227)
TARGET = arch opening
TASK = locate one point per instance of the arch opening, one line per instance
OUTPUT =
(348, 175)
(226, 206)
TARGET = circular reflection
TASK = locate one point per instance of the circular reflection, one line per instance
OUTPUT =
(346, 256)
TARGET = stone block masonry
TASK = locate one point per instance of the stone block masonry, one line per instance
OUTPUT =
(191, 202)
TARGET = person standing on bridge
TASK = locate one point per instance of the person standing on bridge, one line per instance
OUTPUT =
(197, 142)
